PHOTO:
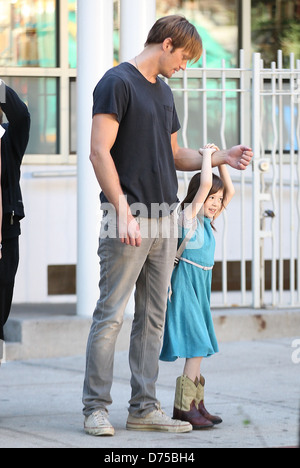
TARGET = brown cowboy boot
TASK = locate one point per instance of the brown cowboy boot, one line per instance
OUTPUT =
(200, 403)
(185, 406)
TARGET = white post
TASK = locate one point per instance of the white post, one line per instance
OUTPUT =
(256, 128)
(95, 57)
(245, 31)
(137, 18)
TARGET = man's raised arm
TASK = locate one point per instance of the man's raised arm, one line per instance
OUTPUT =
(239, 157)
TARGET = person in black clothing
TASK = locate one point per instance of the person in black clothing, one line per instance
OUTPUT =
(13, 146)
(2, 131)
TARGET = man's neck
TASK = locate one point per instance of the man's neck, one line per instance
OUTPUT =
(147, 64)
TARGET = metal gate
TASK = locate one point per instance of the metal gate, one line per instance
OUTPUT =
(276, 178)
(259, 237)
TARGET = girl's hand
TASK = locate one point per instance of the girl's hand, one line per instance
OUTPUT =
(211, 146)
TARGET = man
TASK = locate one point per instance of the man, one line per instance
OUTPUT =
(135, 154)
(13, 146)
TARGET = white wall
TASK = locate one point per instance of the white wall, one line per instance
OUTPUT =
(49, 234)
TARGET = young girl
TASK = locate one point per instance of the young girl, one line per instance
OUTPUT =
(2, 131)
(189, 329)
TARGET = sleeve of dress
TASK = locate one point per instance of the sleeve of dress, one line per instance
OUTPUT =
(186, 223)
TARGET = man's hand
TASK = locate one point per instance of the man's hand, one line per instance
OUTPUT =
(129, 231)
(239, 157)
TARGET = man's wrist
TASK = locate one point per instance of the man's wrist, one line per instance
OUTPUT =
(219, 158)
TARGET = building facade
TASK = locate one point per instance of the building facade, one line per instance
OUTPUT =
(40, 57)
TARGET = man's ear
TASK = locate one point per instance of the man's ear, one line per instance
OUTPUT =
(168, 45)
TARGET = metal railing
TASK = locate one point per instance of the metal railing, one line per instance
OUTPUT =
(276, 104)
(258, 107)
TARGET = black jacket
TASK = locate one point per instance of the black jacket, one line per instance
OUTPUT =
(13, 147)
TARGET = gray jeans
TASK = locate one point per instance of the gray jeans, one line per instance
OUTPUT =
(149, 268)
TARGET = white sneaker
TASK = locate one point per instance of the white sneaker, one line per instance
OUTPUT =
(157, 421)
(97, 424)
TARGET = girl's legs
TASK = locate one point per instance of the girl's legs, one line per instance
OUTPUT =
(192, 368)
(185, 406)
(192, 371)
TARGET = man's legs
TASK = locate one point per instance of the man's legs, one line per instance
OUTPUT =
(147, 330)
(120, 267)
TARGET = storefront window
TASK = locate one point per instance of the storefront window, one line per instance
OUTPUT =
(72, 5)
(28, 33)
(216, 22)
(276, 26)
(40, 94)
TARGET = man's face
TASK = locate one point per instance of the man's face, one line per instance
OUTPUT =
(173, 61)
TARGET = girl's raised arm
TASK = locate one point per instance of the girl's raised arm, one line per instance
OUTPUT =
(229, 189)
(192, 210)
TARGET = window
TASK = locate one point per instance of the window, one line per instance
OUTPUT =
(28, 33)
(276, 26)
(40, 94)
(72, 13)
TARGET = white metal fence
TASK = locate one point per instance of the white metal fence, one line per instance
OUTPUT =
(258, 240)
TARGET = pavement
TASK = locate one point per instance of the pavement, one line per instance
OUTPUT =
(253, 385)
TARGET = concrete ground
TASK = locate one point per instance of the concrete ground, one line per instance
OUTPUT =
(253, 385)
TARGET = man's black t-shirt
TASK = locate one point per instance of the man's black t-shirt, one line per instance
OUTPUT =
(142, 152)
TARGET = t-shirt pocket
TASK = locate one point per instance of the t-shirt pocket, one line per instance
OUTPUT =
(168, 118)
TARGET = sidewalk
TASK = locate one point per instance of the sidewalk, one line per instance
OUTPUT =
(254, 386)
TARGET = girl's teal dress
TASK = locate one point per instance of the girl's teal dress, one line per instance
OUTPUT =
(189, 329)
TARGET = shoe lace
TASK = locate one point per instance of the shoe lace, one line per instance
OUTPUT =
(160, 411)
(101, 417)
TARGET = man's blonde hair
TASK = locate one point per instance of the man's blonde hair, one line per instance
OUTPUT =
(183, 34)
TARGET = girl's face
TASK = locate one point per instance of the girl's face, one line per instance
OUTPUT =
(213, 204)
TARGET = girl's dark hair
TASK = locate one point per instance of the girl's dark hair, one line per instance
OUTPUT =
(217, 184)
